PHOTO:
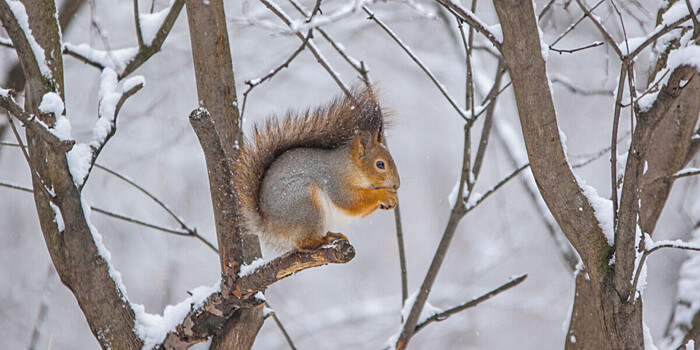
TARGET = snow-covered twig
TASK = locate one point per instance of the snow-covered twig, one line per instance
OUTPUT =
(106, 125)
(473, 21)
(685, 173)
(309, 44)
(654, 246)
(33, 123)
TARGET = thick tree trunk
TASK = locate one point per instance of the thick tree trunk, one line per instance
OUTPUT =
(216, 89)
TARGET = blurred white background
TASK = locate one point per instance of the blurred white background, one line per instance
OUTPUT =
(350, 306)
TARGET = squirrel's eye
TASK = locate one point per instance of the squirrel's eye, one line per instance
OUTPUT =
(380, 164)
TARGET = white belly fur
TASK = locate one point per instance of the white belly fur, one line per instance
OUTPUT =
(333, 217)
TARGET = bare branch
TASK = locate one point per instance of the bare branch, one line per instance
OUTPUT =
(601, 28)
(462, 113)
(287, 338)
(471, 19)
(35, 176)
(472, 303)
(128, 219)
(560, 51)
(613, 143)
(496, 187)
(568, 30)
(309, 43)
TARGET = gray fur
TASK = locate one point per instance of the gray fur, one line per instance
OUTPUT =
(287, 184)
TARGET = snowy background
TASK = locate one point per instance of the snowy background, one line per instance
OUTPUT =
(347, 306)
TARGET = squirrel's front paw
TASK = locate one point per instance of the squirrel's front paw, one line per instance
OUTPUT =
(388, 201)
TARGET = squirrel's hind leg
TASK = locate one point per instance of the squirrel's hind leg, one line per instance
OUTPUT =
(317, 241)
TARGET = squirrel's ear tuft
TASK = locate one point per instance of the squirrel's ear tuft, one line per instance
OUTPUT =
(362, 145)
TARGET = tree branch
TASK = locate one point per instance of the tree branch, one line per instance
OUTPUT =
(201, 323)
(96, 147)
(471, 19)
(462, 113)
(441, 316)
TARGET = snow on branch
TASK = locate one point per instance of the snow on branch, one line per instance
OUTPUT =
(200, 323)
(464, 14)
(32, 122)
(650, 246)
(277, 10)
(152, 30)
(82, 158)
(682, 63)
(20, 15)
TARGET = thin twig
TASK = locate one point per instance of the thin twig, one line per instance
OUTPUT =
(545, 10)
(496, 187)
(568, 30)
(44, 307)
(488, 124)
(137, 21)
(309, 44)
(597, 155)
(657, 246)
(415, 59)
(35, 175)
(682, 174)
(359, 67)
(126, 218)
(287, 338)
(560, 51)
(601, 28)
(471, 19)
(613, 146)
(456, 214)
(576, 90)
(696, 23)
(441, 316)
(255, 82)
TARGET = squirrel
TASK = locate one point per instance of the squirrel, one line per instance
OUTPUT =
(300, 176)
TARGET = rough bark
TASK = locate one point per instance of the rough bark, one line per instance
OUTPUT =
(217, 93)
(73, 251)
(555, 180)
(230, 313)
(616, 323)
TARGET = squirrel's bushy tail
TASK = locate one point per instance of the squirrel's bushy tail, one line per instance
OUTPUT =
(328, 127)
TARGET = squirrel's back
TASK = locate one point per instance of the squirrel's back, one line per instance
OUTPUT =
(325, 129)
